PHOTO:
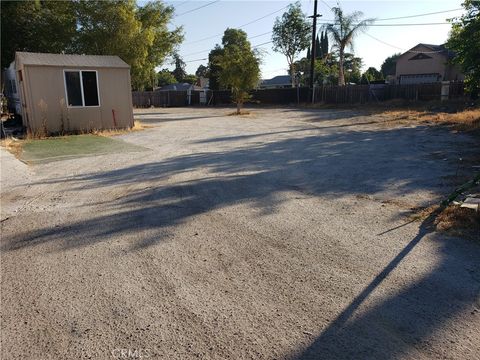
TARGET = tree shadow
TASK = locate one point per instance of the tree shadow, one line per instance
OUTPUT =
(402, 324)
(389, 162)
(161, 118)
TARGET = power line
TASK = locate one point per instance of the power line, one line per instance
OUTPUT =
(197, 8)
(266, 33)
(195, 60)
(263, 17)
(399, 48)
(407, 17)
(265, 43)
(405, 24)
(326, 4)
(202, 51)
(241, 26)
(419, 15)
(183, 3)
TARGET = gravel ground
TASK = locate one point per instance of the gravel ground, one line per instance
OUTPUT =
(280, 235)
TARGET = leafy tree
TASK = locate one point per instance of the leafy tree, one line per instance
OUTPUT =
(318, 49)
(214, 68)
(371, 74)
(36, 26)
(165, 77)
(326, 71)
(291, 35)
(389, 65)
(159, 42)
(138, 34)
(190, 79)
(202, 71)
(324, 44)
(343, 32)
(465, 42)
(230, 37)
(352, 66)
(179, 72)
(239, 65)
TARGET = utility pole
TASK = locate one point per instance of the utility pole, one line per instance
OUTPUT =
(313, 52)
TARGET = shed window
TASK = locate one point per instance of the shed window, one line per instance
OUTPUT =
(81, 87)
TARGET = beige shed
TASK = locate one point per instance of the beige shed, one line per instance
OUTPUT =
(62, 92)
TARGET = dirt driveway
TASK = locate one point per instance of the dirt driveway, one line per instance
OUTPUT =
(281, 235)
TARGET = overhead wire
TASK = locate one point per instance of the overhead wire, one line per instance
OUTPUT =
(324, 22)
(403, 50)
(197, 8)
(241, 26)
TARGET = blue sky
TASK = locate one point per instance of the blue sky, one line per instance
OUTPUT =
(374, 46)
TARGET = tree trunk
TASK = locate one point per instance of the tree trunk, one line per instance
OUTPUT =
(341, 74)
(239, 107)
(292, 74)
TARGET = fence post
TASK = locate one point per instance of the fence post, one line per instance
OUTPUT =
(445, 92)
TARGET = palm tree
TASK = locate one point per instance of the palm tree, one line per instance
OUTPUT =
(343, 31)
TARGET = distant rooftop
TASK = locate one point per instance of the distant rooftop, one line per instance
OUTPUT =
(277, 80)
(180, 87)
(44, 59)
(441, 49)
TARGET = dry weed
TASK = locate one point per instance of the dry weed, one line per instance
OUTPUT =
(13, 146)
(137, 126)
(462, 120)
(242, 113)
(454, 220)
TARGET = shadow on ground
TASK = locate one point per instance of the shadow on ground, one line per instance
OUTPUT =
(403, 324)
(390, 162)
(393, 163)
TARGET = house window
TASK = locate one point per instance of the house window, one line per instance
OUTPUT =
(81, 88)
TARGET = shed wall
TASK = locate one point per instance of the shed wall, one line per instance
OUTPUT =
(46, 94)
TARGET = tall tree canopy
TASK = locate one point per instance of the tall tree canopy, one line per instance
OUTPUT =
(465, 42)
(202, 71)
(291, 35)
(138, 34)
(46, 26)
(343, 32)
(372, 74)
(389, 65)
(179, 72)
(239, 65)
(165, 77)
(214, 68)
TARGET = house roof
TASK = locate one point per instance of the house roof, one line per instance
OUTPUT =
(180, 87)
(277, 80)
(440, 49)
(44, 59)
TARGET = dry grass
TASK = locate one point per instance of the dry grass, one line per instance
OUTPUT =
(13, 146)
(454, 220)
(462, 120)
(459, 221)
(137, 126)
(242, 113)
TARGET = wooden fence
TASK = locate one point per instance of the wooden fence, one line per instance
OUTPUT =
(327, 94)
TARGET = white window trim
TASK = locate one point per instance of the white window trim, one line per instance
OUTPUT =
(81, 89)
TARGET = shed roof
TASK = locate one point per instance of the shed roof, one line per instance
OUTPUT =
(44, 59)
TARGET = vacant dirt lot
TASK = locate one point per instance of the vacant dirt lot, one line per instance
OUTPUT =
(280, 235)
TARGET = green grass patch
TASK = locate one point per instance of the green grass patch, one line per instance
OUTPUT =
(73, 146)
